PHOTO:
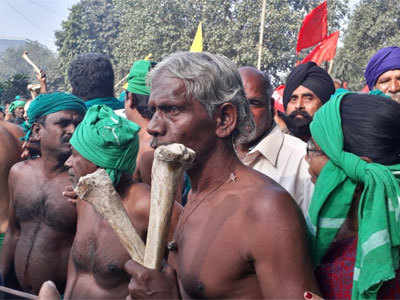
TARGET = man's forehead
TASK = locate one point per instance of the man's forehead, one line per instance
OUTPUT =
(390, 73)
(301, 90)
(63, 114)
(167, 88)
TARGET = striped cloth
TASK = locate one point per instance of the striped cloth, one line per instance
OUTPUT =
(378, 214)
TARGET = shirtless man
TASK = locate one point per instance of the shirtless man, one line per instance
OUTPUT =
(240, 234)
(41, 223)
(10, 151)
(96, 264)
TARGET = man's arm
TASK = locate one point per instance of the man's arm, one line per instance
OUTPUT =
(7, 269)
(277, 244)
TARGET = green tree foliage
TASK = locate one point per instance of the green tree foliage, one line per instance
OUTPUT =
(374, 24)
(13, 86)
(11, 63)
(230, 27)
(92, 26)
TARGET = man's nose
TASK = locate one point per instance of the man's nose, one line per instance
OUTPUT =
(394, 86)
(68, 162)
(155, 126)
(70, 128)
(300, 104)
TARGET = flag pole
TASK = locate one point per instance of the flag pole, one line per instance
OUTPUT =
(262, 25)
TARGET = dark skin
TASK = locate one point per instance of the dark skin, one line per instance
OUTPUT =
(133, 115)
(10, 149)
(216, 257)
(96, 264)
(41, 223)
(261, 108)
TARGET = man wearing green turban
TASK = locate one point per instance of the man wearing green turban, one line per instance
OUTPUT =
(108, 141)
(354, 157)
(16, 109)
(42, 223)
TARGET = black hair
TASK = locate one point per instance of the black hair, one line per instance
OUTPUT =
(140, 102)
(371, 127)
(91, 76)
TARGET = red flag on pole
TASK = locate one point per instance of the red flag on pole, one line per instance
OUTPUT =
(325, 51)
(314, 28)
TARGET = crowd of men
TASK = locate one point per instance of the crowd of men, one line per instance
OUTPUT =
(287, 205)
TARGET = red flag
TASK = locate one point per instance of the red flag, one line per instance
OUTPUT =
(314, 28)
(325, 51)
(278, 97)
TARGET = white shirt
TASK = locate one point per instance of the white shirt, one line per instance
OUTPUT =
(282, 157)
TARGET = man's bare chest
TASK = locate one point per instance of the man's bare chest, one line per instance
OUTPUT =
(209, 256)
(40, 200)
(97, 249)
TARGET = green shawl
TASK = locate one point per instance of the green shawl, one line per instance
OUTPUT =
(377, 256)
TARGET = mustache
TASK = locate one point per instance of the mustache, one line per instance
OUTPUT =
(302, 113)
(65, 139)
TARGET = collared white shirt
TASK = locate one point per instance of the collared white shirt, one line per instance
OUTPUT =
(282, 157)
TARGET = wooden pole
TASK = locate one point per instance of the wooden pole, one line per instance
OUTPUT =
(262, 25)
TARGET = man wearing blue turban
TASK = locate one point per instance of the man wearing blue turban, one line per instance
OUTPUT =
(383, 72)
(42, 223)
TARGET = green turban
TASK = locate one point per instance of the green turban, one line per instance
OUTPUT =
(137, 77)
(46, 104)
(107, 140)
(378, 243)
(15, 104)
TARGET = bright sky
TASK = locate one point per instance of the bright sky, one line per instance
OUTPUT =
(33, 19)
(38, 19)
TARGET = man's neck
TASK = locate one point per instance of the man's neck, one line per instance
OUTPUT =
(243, 149)
(52, 165)
(213, 170)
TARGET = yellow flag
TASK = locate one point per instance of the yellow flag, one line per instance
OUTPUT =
(197, 45)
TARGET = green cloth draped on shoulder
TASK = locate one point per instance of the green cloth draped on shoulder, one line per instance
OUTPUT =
(46, 104)
(15, 104)
(377, 256)
(111, 102)
(107, 140)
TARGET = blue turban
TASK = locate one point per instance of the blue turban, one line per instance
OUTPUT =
(46, 104)
(386, 59)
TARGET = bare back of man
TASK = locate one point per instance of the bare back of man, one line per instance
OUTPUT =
(41, 229)
(10, 151)
(242, 241)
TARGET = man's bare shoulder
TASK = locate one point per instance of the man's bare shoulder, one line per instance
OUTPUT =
(23, 167)
(266, 199)
(137, 198)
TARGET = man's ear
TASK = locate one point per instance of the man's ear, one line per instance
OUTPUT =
(129, 103)
(226, 120)
(367, 159)
(35, 137)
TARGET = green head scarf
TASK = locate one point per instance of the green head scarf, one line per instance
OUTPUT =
(15, 104)
(46, 104)
(108, 141)
(378, 244)
(137, 77)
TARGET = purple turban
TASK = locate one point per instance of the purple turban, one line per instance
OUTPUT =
(384, 60)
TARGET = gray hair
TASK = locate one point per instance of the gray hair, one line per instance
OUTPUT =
(212, 80)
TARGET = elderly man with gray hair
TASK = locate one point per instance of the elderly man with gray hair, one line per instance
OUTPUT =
(240, 233)
(271, 152)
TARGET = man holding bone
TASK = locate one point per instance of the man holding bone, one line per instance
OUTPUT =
(240, 233)
(108, 141)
